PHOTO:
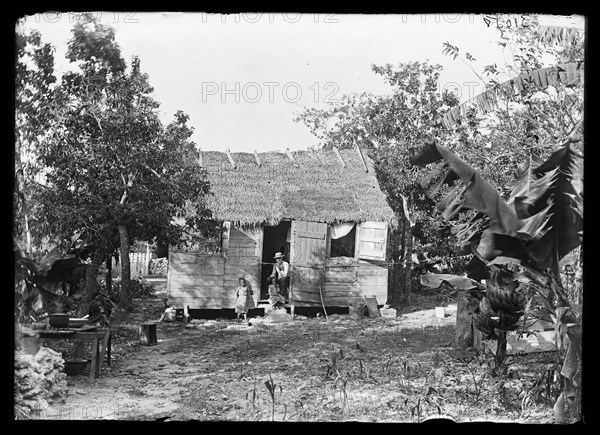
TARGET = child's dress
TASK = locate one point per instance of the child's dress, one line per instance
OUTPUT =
(245, 299)
(274, 295)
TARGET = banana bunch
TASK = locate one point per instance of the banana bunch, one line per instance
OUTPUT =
(506, 294)
(486, 319)
(503, 304)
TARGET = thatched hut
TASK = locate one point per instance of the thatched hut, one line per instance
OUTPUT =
(323, 209)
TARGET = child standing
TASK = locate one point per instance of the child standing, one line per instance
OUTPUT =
(275, 299)
(245, 298)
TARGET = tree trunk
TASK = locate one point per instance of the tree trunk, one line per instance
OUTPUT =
(467, 335)
(408, 264)
(109, 274)
(500, 353)
(125, 296)
(395, 261)
(20, 189)
(91, 285)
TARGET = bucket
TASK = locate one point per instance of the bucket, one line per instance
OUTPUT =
(440, 312)
(147, 334)
(357, 312)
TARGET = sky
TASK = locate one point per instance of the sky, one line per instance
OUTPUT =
(243, 78)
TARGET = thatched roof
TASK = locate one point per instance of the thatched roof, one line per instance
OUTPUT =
(314, 186)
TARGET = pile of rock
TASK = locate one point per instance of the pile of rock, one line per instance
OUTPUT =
(39, 382)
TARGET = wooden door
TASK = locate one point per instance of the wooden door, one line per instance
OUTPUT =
(307, 261)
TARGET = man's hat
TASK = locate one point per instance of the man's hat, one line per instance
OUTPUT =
(278, 255)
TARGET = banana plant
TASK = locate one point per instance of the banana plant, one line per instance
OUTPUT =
(541, 222)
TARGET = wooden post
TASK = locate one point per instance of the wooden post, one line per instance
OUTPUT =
(200, 160)
(94, 366)
(258, 161)
(147, 262)
(362, 158)
(230, 158)
(291, 156)
(105, 342)
(108, 349)
(339, 156)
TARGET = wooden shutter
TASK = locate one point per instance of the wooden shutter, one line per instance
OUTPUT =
(372, 240)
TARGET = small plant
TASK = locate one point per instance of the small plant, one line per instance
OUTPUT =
(253, 398)
(479, 368)
(331, 363)
(271, 388)
(342, 381)
(405, 368)
(437, 359)
(545, 389)
(428, 399)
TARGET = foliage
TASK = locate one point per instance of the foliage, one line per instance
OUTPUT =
(159, 266)
(527, 226)
(36, 293)
(33, 80)
(390, 128)
(139, 288)
(106, 155)
(527, 122)
(540, 224)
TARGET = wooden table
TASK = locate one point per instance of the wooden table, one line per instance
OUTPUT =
(101, 339)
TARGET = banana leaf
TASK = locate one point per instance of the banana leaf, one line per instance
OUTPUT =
(535, 226)
(478, 195)
(528, 191)
(541, 222)
(566, 224)
(434, 280)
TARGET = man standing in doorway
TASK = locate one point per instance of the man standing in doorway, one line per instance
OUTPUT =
(281, 273)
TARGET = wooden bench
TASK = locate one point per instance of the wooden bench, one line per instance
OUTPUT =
(101, 339)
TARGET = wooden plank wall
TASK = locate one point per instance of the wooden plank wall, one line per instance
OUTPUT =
(195, 280)
(243, 259)
(341, 280)
(373, 280)
(348, 278)
(210, 280)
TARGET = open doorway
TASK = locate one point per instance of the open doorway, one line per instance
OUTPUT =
(276, 239)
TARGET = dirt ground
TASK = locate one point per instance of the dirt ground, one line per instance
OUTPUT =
(312, 369)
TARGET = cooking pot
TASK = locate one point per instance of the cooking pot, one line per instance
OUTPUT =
(59, 320)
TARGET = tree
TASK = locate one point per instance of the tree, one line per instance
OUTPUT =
(390, 128)
(110, 164)
(34, 76)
